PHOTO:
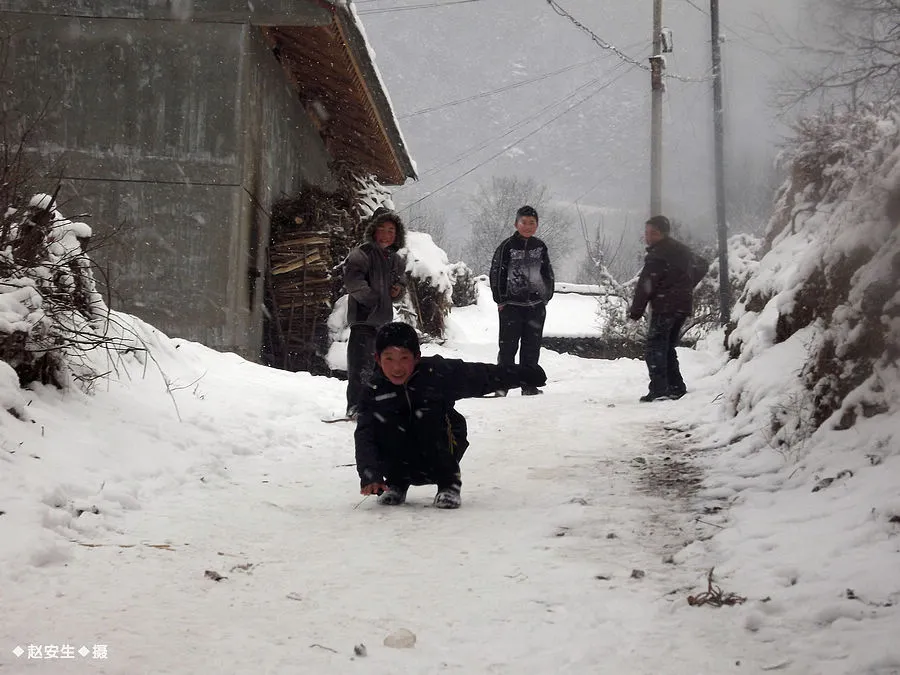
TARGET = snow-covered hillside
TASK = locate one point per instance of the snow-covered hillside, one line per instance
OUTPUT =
(803, 456)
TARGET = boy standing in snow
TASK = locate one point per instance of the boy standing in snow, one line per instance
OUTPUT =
(671, 271)
(522, 284)
(374, 277)
(408, 431)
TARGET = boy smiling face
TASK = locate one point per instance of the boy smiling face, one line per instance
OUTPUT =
(527, 226)
(397, 364)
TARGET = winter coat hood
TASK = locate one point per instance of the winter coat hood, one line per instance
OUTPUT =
(383, 217)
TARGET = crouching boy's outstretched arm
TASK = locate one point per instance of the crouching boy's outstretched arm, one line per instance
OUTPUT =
(368, 462)
(465, 379)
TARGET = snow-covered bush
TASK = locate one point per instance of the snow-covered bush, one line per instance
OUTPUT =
(429, 285)
(743, 260)
(829, 283)
(50, 310)
(465, 292)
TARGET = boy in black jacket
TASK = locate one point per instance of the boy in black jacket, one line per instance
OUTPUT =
(522, 284)
(408, 431)
(671, 271)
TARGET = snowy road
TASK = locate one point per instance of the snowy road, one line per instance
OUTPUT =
(532, 575)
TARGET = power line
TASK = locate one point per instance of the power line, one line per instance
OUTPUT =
(731, 30)
(387, 10)
(705, 12)
(523, 138)
(507, 87)
(478, 147)
(515, 85)
(603, 44)
(465, 154)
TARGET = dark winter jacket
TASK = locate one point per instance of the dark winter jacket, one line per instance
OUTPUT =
(521, 273)
(671, 271)
(369, 273)
(409, 433)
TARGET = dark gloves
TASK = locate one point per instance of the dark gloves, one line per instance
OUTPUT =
(532, 376)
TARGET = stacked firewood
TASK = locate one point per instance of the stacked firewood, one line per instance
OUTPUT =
(308, 239)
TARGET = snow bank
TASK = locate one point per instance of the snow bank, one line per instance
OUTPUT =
(802, 509)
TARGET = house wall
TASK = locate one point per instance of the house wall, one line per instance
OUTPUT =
(282, 150)
(162, 130)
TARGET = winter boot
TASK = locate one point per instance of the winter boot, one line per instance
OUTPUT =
(649, 398)
(447, 498)
(531, 391)
(394, 496)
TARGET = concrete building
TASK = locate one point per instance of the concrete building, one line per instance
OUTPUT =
(174, 125)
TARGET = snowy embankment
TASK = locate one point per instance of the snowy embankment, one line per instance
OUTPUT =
(804, 456)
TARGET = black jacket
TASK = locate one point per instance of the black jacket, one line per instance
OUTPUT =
(521, 273)
(671, 271)
(408, 432)
(369, 273)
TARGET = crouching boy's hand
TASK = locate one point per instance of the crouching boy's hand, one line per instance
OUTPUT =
(532, 376)
(373, 489)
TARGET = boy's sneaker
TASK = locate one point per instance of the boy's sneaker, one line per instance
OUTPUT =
(649, 398)
(531, 391)
(394, 496)
(447, 499)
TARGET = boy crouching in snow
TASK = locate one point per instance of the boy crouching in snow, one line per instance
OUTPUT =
(408, 432)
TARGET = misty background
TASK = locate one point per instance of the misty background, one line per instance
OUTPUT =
(574, 118)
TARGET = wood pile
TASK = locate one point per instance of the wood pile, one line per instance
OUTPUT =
(310, 234)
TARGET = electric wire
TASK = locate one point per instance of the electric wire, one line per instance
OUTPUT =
(604, 44)
(519, 140)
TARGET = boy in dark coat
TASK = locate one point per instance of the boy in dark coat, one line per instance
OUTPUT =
(671, 271)
(408, 431)
(374, 277)
(522, 284)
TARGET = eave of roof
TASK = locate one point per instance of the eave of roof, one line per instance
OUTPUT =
(331, 68)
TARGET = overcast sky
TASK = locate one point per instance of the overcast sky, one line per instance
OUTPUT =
(597, 148)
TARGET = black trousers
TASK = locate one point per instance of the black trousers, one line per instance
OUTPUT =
(437, 465)
(521, 329)
(662, 361)
(360, 361)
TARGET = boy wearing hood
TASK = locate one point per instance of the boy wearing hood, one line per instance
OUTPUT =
(374, 277)
(522, 284)
(408, 431)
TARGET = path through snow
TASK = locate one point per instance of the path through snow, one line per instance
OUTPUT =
(532, 575)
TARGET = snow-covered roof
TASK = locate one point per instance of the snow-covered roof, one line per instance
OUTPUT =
(333, 69)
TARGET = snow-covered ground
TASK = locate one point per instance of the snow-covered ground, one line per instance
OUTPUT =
(572, 553)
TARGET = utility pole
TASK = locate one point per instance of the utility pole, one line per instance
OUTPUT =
(657, 85)
(719, 148)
